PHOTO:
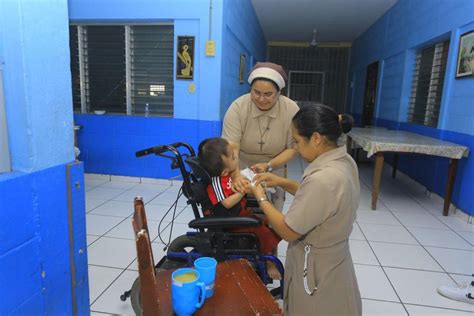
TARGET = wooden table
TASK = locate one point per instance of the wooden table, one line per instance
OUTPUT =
(380, 141)
(238, 291)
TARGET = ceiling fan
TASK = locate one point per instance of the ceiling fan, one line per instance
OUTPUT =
(313, 43)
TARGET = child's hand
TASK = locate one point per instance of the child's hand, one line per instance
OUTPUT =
(241, 185)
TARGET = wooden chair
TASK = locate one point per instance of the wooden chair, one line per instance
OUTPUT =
(146, 263)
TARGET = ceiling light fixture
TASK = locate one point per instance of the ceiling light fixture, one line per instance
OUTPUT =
(313, 42)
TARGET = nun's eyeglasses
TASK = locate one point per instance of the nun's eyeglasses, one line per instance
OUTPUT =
(265, 95)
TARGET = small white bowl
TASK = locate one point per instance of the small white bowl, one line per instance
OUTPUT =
(99, 112)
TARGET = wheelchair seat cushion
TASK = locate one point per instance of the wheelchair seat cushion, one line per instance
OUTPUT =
(224, 222)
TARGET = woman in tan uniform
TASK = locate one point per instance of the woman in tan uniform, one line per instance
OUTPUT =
(319, 273)
(258, 126)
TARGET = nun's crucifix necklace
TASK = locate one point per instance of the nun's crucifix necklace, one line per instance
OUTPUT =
(262, 134)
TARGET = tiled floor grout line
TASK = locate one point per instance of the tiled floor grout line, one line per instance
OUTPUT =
(406, 193)
(407, 228)
(426, 250)
(113, 281)
(439, 307)
(181, 209)
(102, 266)
(112, 199)
(110, 284)
(384, 272)
(112, 314)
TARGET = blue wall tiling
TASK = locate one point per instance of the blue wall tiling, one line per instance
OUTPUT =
(393, 41)
(108, 142)
(34, 242)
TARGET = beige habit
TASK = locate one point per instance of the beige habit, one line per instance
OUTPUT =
(261, 135)
(323, 210)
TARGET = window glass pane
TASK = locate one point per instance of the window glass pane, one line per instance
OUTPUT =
(105, 68)
(152, 69)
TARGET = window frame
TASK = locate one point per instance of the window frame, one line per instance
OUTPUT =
(431, 106)
(128, 62)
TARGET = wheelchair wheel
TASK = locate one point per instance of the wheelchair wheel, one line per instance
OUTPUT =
(183, 243)
(135, 297)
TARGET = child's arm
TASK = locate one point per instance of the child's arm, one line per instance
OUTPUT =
(230, 201)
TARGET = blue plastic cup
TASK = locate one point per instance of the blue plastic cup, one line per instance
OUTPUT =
(206, 267)
(188, 293)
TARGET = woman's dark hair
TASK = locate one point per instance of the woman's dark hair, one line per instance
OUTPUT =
(268, 80)
(322, 119)
(210, 155)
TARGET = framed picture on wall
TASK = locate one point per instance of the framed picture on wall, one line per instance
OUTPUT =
(185, 58)
(465, 61)
(242, 68)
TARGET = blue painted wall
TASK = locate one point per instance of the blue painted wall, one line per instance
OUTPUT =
(189, 17)
(35, 262)
(108, 142)
(241, 34)
(393, 41)
(26, 59)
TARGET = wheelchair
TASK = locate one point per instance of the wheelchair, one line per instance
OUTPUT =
(212, 236)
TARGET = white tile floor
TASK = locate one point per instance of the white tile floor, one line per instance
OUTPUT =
(402, 251)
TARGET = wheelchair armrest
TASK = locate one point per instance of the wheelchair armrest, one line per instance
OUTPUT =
(224, 222)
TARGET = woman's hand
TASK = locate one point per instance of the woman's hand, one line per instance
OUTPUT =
(241, 184)
(258, 191)
(259, 167)
(267, 179)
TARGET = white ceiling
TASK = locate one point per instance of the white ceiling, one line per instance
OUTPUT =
(335, 20)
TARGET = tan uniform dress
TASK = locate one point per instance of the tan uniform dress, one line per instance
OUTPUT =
(323, 211)
(261, 135)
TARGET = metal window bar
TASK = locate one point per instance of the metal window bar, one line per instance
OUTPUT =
(148, 52)
(83, 71)
(333, 61)
(427, 85)
(152, 68)
(306, 87)
(75, 67)
(128, 76)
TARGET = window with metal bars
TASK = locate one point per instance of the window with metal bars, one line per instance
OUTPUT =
(120, 68)
(427, 85)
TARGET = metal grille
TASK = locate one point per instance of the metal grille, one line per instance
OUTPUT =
(74, 57)
(427, 85)
(306, 87)
(105, 64)
(332, 61)
(121, 68)
(151, 61)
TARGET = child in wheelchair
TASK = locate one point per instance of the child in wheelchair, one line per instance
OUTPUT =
(218, 159)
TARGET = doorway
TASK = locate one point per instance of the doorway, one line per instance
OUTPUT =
(370, 94)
